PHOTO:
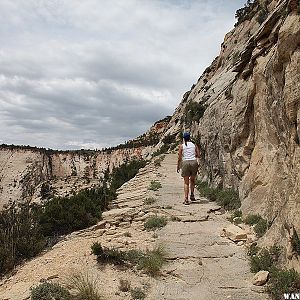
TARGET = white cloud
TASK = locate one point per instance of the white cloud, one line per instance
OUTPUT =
(95, 73)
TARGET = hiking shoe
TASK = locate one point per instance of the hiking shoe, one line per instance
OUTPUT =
(186, 202)
(192, 197)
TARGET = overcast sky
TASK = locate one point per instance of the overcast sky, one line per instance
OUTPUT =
(94, 73)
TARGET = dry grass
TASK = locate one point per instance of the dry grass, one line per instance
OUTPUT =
(84, 287)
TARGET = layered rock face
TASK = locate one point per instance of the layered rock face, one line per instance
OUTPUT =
(23, 170)
(249, 133)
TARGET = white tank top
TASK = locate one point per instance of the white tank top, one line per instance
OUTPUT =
(189, 151)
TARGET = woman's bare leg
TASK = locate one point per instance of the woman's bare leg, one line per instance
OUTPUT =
(193, 181)
(186, 187)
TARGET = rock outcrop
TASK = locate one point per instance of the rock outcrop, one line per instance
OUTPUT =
(249, 132)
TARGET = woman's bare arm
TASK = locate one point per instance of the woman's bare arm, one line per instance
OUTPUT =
(197, 152)
(179, 158)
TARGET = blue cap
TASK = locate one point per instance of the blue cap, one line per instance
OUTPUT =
(186, 135)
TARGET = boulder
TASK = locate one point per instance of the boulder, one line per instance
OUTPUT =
(235, 233)
(260, 278)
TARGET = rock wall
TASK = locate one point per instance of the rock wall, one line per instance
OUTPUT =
(22, 171)
(249, 133)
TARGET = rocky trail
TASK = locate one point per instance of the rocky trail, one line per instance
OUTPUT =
(201, 263)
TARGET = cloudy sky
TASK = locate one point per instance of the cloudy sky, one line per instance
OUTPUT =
(89, 74)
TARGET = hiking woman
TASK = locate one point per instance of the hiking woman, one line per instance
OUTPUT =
(187, 158)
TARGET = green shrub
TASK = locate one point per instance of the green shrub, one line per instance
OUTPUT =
(84, 287)
(154, 185)
(158, 161)
(262, 16)
(50, 291)
(245, 13)
(20, 234)
(150, 201)
(194, 111)
(265, 259)
(149, 261)
(155, 222)
(237, 221)
(252, 219)
(46, 191)
(227, 198)
(283, 282)
(138, 293)
(63, 215)
(152, 261)
(261, 227)
(253, 250)
(134, 256)
(106, 255)
(236, 215)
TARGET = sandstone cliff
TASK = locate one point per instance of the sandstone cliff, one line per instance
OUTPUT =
(249, 132)
(23, 170)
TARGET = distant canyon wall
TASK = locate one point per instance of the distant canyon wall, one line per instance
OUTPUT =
(22, 171)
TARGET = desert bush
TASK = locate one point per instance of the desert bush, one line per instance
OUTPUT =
(50, 291)
(149, 261)
(46, 191)
(194, 111)
(155, 222)
(150, 201)
(154, 185)
(261, 227)
(127, 234)
(246, 12)
(236, 214)
(283, 282)
(227, 198)
(153, 260)
(265, 259)
(253, 250)
(106, 255)
(84, 287)
(158, 161)
(64, 215)
(262, 16)
(20, 234)
(252, 219)
(124, 285)
(138, 293)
